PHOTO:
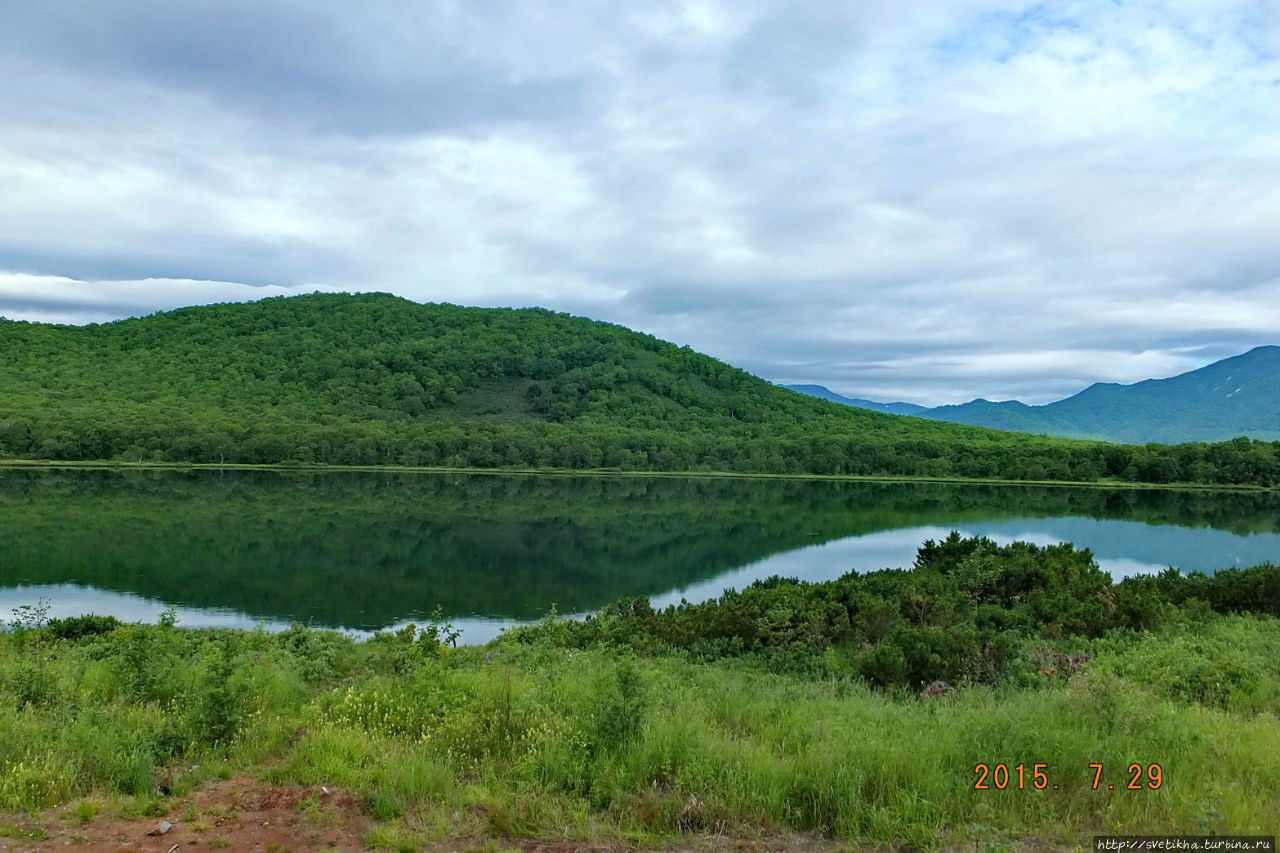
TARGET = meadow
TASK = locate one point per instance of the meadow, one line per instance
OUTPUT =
(652, 727)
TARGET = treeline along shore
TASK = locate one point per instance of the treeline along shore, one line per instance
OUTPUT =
(377, 380)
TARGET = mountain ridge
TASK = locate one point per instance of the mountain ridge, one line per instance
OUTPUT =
(825, 393)
(1188, 407)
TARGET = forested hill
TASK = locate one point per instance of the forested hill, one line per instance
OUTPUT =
(374, 379)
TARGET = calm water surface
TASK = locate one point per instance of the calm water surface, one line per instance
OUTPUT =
(366, 551)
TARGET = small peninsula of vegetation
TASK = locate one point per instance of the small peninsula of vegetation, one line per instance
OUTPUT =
(377, 380)
(854, 711)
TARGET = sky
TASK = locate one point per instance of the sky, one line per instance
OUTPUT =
(921, 200)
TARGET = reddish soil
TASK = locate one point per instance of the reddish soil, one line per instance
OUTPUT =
(235, 815)
(701, 844)
(250, 815)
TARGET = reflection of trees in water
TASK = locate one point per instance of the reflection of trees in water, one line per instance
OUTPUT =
(366, 549)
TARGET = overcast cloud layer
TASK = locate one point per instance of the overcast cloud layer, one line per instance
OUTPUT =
(926, 200)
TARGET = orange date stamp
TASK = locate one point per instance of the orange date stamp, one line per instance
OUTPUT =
(1021, 777)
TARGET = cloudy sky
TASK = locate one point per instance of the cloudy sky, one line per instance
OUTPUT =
(927, 200)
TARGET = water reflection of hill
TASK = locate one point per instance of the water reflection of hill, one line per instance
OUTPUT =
(367, 550)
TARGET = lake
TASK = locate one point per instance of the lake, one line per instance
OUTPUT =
(365, 551)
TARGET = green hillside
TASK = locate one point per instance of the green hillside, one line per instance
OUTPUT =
(1233, 397)
(374, 379)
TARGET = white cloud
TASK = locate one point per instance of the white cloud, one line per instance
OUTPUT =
(927, 200)
(55, 299)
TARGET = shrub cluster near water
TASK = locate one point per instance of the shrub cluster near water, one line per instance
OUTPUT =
(785, 707)
(969, 611)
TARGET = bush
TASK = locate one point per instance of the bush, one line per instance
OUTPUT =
(957, 616)
(1142, 604)
(620, 707)
(78, 627)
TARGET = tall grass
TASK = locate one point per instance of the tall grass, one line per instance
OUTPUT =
(516, 740)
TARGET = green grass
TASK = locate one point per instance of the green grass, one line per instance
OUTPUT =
(767, 751)
(751, 715)
(22, 832)
(516, 741)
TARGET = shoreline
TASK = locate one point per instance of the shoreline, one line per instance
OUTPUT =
(321, 468)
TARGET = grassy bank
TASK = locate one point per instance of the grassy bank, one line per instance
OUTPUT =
(615, 729)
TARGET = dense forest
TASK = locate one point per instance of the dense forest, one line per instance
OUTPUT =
(378, 380)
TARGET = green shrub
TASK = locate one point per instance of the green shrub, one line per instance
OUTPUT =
(620, 707)
(78, 627)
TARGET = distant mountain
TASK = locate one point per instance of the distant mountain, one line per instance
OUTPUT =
(888, 408)
(1233, 397)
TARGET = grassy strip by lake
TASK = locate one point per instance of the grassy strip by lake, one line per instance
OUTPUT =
(514, 741)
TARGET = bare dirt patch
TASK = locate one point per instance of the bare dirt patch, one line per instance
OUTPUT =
(244, 814)
(701, 844)
(236, 814)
